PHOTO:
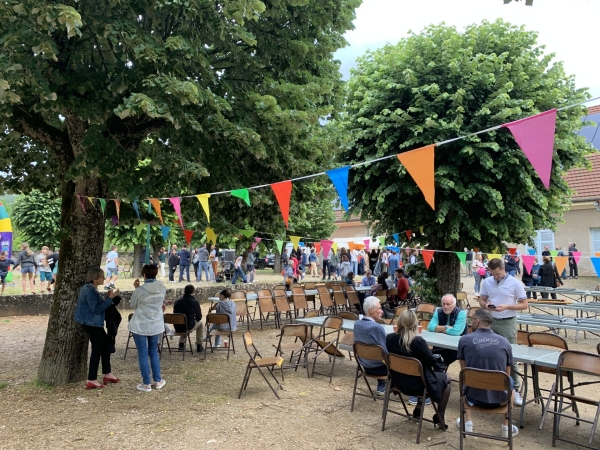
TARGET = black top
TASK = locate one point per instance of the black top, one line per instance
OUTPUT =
(189, 306)
(173, 261)
(52, 260)
(549, 275)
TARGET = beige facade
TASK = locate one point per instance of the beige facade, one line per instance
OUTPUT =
(351, 230)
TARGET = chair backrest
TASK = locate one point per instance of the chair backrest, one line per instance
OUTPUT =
(175, 319)
(325, 297)
(347, 315)
(299, 330)
(311, 313)
(570, 360)
(329, 285)
(311, 286)
(241, 309)
(547, 339)
(238, 294)
(333, 323)
(265, 301)
(280, 299)
(522, 337)
(424, 323)
(217, 319)
(460, 288)
(405, 365)
(392, 292)
(597, 347)
(381, 295)
(352, 295)
(369, 351)
(472, 311)
(489, 380)
(248, 344)
(425, 308)
(339, 297)
(299, 297)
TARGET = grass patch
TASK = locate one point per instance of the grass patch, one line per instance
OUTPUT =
(6, 321)
(40, 384)
(3, 384)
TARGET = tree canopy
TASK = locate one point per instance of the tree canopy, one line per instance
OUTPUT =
(37, 217)
(443, 83)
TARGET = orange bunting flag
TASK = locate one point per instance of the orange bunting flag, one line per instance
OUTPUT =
(317, 247)
(419, 164)
(427, 257)
(350, 246)
(561, 262)
(283, 193)
(118, 207)
(156, 204)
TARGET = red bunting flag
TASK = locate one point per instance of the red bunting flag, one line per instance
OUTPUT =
(317, 247)
(512, 250)
(409, 234)
(81, 202)
(283, 193)
(535, 136)
(188, 236)
(427, 256)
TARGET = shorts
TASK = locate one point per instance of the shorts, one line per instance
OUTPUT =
(45, 276)
(110, 271)
(3, 278)
(29, 269)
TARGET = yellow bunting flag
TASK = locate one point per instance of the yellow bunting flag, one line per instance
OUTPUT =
(156, 204)
(421, 229)
(211, 236)
(334, 247)
(419, 164)
(295, 240)
(91, 199)
(494, 256)
(203, 199)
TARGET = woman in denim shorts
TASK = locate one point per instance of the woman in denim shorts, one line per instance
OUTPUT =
(26, 259)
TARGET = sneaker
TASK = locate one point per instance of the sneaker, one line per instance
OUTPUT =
(160, 384)
(379, 393)
(414, 400)
(469, 426)
(517, 399)
(144, 388)
(515, 431)
(106, 287)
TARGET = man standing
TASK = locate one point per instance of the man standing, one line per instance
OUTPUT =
(203, 263)
(393, 262)
(368, 331)
(504, 295)
(354, 261)
(173, 263)
(184, 263)
(112, 268)
(450, 320)
(573, 271)
(189, 306)
(469, 262)
(483, 349)
(401, 284)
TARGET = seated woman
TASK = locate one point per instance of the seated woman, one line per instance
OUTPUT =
(406, 342)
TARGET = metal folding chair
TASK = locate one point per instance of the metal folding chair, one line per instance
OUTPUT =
(296, 336)
(366, 351)
(218, 319)
(258, 362)
(327, 342)
(176, 319)
(266, 307)
(325, 300)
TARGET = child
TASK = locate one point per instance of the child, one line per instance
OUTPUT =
(45, 272)
(4, 268)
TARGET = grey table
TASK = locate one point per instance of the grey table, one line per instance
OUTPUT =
(579, 294)
(590, 326)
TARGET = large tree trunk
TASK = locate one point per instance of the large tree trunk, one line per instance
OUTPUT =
(447, 270)
(64, 359)
(137, 264)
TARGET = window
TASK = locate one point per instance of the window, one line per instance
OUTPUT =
(543, 238)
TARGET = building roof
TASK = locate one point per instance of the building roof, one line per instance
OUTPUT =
(340, 216)
(585, 183)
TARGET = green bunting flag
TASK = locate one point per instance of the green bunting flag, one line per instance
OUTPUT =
(139, 228)
(102, 204)
(248, 233)
(462, 256)
(554, 252)
(382, 241)
(279, 245)
(244, 194)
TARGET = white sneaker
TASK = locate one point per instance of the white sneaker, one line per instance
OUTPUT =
(517, 399)
(468, 425)
(515, 431)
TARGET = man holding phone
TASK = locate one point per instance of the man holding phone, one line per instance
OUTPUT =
(503, 295)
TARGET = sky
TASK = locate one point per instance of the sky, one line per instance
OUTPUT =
(565, 27)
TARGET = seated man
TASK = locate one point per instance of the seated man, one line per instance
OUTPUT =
(224, 306)
(189, 306)
(368, 331)
(368, 280)
(402, 284)
(449, 319)
(483, 349)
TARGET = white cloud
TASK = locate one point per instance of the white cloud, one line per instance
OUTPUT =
(565, 27)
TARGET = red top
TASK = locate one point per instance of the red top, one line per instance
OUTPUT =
(402, 288)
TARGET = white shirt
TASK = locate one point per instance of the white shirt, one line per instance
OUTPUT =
(507, 292)
(213, 255)
(384, 257)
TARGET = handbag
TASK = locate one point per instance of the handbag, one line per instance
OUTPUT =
(439, 365)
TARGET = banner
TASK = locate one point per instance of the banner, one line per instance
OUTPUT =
(156, 204)
(339, 178)
(139, 228)
(409, 234)
(203, 199)
(419, 164)
(528, 261)
(211, 236)
(295, 241)
(6, 231)
(427, 257)
(176, 201)
(136, 209)
(596, 262)
(561, 263)
(326, 244)
(367, 244)
(512, 250)
(462, 256)
(495, 256)
(317, 247)
(279, 245)
(381, 241)
(532, 251)
(283, 193)
(244, 194)
(334, 247)
(81, 202)
(554, 252)
(396, 237)
(247, 233)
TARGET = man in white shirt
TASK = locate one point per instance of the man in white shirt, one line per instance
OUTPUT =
(504, 295)
(112, 268)
(354, 261)
(384, 261)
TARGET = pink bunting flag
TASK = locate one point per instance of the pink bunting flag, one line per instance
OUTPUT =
(427, 257)
(176, 201)
(576, 256)
(257, 239)
(367, 244)
(535, 136)
(254, 244)
(326, 244)
(528, 262)
(81, 202)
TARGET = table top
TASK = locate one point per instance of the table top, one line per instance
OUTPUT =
(592, 325)
(363, 288)
(566, 291)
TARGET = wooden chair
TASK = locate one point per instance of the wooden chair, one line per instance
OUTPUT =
(365, 351)
(339, 298)
(424, 324)
(218, 319)
(257, 362)
(325, 300)
(176, 319)
(382, 296)
(425, 310)
(266, 306)
(352, 297)
(241, 311)
(311, 298)
(130, 336)
(490, 380)
(327, 342)
(281, 304)
(411, 367)
(299, 300)
(582, 363)
(464, 298)
(399, 310)
(238, 294)
(347, 340)
(311, 313)
(300, 333)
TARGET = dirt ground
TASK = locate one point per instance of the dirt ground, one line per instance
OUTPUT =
(198, 408)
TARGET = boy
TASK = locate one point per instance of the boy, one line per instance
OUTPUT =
(4, 267)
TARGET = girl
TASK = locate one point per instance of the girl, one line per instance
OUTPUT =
(26, 259)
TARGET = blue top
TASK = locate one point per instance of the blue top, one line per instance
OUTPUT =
(110, 260)
(91, 306)
(312, 257)
(367, 331)
(456, 330)
(368, 281)
(184, 257)
(393, 263)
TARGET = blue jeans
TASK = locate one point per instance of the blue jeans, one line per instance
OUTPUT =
(147, 346)
(354, 267)
(477, 282)
(187, 272)
(512, 272)
(213, 327)
(203, 265)
(238, 273)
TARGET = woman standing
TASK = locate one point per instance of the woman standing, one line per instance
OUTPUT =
(26, 259)
(162, 258)
(90, 313)
(478, 270)
(334, 262)
(146, 324)
(344, 267)
(214, 261)
(406, 342)
(549, 276)
(250, 258)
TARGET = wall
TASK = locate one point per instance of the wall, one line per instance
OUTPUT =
(578, 222)
(350, 230)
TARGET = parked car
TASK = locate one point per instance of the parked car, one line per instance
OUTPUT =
(265, 261)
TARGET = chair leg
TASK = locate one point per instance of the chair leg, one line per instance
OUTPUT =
(573, 402)
(545, 410)
(595, 424)
(267, 380)
(354, 390)
(421, 416)
(244, 381)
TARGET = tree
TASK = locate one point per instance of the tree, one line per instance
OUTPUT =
(37, 216)
(160, 98)
(441, 84)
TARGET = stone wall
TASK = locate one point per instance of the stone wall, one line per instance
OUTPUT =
(32, 305)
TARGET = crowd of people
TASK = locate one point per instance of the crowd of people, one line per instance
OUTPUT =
(34, 268)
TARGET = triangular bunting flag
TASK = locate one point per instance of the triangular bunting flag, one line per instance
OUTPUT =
(248, 233)
(279, 245)
(188, 236)
(156, 204)
(535, 136)
(532, 251)
(283, 193)
(139, 228)
(495, 256)
(576, 256)
(351, 246)
(512, 250)
(136, 208)
(176, 201)
(211, 236)
(381, 241)
(409, 234)
(421, 229)
(203, 199)
(118, 208)
(326, 244)
(257, 239)
(596, 262)
(396, 237)
(554, 252)
(317, 247)
(244, 194)
(114, 220)
(253, 245)
(295, 240)
(367, 244)
(165, 231)
(419, 164)
(91, 200)
(427, 257)
(462, 256)
(334, 247)
(81, 202)
(528, 261)
(561, 263)
(339, 178)
(102, 204)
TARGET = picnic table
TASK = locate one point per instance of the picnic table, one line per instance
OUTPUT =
(555, 323)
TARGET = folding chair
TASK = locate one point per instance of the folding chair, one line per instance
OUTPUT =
(311, 298)
(300, 332)
(299, 300)
(411, 367)
(241, 311)
(392, 297)
(311, 313)
(365, 351)
(463, 297)
(339, 298)
(352, 297)
(382, 296)
(584, 363)
(257, 362)
(266, 306)
(281, 304)
(327, 342)
(238, 294)
(218, 319)
(176, 319)
(399, 310)
(425, 309)
(126, 270)
(347, 341)
(424, 324)
(131, 336)
(490, 380)
(325, 300)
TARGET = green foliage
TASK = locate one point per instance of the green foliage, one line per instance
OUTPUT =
(37, 216)
(441, 84)
(424, 285)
